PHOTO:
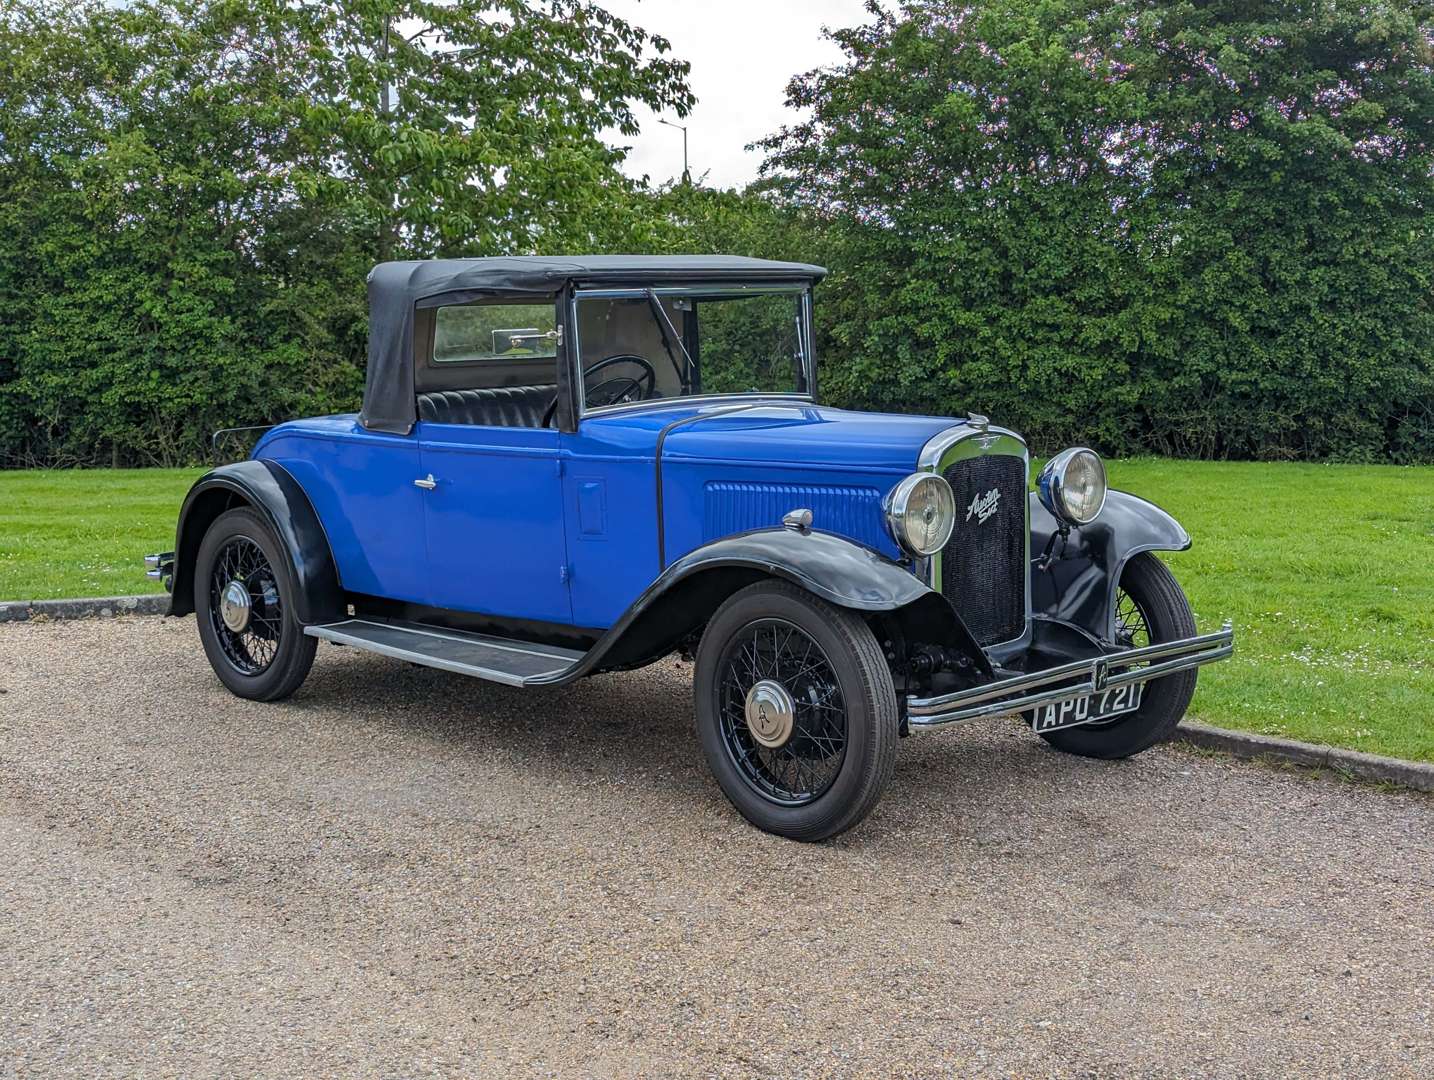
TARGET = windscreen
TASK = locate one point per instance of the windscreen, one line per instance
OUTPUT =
(664, 344)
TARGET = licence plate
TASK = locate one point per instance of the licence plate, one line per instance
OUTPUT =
(1085, 710)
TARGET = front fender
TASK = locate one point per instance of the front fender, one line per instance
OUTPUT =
(838, 570)
(1078, 583)
(269, 489)
(835, 568)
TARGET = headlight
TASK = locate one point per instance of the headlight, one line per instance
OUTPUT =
(920, 512)
(1072, 485)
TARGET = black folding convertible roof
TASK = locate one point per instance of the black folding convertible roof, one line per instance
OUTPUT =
(395, 289)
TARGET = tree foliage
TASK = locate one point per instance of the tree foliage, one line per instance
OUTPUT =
(192, 192)
(1200, 228)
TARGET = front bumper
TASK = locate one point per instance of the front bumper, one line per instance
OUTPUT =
(1075, 679)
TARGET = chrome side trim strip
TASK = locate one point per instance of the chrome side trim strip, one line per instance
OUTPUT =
(1025, 691)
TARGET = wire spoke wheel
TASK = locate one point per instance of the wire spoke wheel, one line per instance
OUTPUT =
(1150, 609)
(1132, 631)
(246, 610)
(782, 717)
(1132, 627)
(796, 710)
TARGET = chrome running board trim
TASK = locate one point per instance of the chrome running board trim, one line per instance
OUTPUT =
(500, 660)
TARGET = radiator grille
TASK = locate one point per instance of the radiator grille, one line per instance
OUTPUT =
(983, 565)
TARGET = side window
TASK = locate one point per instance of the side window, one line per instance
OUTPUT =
(491, 363)
(469, 332)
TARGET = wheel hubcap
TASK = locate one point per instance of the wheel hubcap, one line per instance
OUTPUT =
(770, 713)
(235, 606)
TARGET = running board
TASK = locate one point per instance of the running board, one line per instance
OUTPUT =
(502, 660)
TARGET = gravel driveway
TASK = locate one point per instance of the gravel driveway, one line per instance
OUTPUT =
(402, 872)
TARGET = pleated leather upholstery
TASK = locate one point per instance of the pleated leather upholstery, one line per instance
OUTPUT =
(502, 406)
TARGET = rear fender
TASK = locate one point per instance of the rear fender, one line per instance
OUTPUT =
(267, 488)
(1077, 582)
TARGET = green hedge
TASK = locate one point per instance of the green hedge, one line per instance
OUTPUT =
(1199, 229)
(1194, 229)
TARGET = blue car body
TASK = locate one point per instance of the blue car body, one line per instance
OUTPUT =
(579, 461)
(575, 465)
(564, 528)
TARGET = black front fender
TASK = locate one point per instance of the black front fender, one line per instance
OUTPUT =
(835, 568)
(832, 567)
(268, 488)
(1077, 582)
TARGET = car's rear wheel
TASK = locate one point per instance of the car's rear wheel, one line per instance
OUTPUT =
(1150, 608)
(243, 601)
(796, 711)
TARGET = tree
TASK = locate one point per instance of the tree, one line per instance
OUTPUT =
(475, 125)
(1198, 228)
(192, 191)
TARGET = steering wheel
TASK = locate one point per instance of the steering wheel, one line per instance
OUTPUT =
(617, 389)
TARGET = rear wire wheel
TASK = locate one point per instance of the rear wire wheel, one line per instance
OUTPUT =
(796, 710)
(243, 600)
(245, 610)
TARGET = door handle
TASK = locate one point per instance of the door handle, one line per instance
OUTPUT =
(427, 483)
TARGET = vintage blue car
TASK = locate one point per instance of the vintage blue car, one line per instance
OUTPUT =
(567, 466)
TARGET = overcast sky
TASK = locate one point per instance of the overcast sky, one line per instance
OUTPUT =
(742, 53)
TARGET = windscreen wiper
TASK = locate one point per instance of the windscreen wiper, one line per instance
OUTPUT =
(669, 333)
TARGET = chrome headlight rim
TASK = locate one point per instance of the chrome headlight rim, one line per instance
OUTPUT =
(1052, 485)
(898, 514)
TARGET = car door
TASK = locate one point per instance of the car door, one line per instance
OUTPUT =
(494, 520)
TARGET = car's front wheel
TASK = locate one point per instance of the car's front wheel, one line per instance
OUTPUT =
(796, 710)
(243, 600)
(1150, 608)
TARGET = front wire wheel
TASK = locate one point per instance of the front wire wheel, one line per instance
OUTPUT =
(782, 713)
(1150, 609)
(796, 709)
(1132, 625)
(1132, 631)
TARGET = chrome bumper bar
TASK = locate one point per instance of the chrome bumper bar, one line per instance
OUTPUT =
(1092, 676)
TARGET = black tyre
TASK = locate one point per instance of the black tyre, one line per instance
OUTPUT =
(796, 710)
(243, 600)
(1150, 608)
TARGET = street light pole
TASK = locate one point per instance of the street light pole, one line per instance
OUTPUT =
(686, 175)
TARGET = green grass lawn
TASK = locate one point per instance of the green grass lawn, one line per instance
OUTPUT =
(85, 532)
(1327, 571)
